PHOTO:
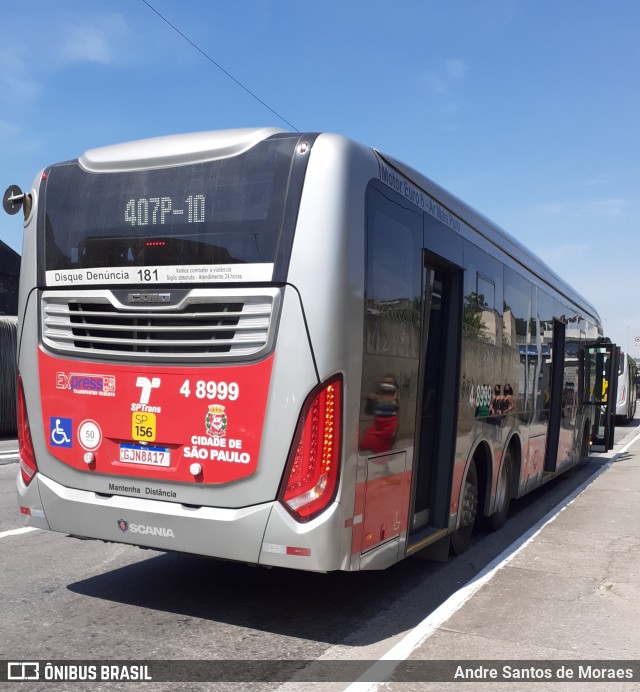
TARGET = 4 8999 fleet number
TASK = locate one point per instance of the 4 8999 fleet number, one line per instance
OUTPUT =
(209, 389)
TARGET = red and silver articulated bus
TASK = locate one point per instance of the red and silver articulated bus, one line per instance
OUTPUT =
(288, 350)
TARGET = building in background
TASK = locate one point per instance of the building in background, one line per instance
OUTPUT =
(9, 273)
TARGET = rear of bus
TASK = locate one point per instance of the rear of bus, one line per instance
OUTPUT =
(626, 401)
(183, 366)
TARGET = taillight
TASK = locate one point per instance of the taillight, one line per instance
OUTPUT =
(311, 478)
(28, 466)
(623, 394)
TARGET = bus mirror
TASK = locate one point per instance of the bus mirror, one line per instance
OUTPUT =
(14, 198)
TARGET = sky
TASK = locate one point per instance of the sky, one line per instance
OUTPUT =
(528, 110)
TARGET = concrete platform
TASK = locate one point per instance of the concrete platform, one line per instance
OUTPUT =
(569, 599)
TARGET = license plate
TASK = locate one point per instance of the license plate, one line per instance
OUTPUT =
(151, 456)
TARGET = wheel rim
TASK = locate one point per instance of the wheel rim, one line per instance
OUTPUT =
(469, 502)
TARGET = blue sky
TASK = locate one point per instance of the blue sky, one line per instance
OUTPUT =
(528, 110)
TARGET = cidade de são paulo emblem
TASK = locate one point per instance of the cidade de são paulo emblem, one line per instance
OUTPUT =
(216, 421)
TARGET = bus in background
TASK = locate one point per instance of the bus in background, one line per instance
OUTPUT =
(289, 350)
(627, 388)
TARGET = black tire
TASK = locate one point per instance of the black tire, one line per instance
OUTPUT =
(461, 537)
(503, 494)
(584, 446)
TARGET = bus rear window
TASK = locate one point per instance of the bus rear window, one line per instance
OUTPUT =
(223, 212)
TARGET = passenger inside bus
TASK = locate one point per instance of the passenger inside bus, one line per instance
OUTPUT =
(495, 407)
(508, 404)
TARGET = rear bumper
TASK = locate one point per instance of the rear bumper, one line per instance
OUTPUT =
(261, 534)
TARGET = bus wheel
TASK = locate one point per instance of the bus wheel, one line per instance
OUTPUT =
(461, 537)
(503, 494)
(584, 446)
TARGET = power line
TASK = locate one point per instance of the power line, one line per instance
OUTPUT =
(211, 60)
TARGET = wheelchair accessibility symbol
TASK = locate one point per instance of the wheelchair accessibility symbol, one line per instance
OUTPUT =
(60, 431)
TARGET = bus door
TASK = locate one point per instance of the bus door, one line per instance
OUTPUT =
(437, 395)
(599, 380)
(557, 395)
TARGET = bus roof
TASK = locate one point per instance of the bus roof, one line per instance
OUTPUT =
(178, 149)
(173, 150)
(494, 234)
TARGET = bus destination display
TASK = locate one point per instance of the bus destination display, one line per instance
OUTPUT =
(156, 211)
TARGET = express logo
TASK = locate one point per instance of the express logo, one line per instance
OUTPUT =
(215, 421)
(123, 525)
(83, 383)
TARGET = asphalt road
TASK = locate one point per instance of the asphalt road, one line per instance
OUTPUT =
(63, 598)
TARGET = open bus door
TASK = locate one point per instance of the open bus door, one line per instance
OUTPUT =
(599, 380)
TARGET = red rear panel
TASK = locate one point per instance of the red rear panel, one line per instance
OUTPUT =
(155, 422)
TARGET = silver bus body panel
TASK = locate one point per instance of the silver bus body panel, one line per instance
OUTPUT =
(327, 268)
(29, 496)
(313, 546)
(233, 534)
(328, 252)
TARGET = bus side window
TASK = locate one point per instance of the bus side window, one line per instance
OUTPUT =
(393, 312)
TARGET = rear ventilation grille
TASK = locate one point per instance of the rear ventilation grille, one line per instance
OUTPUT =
(204, 326)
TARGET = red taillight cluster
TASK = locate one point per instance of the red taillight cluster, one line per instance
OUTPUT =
(28, 466)
(311, 478)
(623, 394)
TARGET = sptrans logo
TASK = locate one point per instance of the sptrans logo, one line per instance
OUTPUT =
(83, 383)
(125, 526)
